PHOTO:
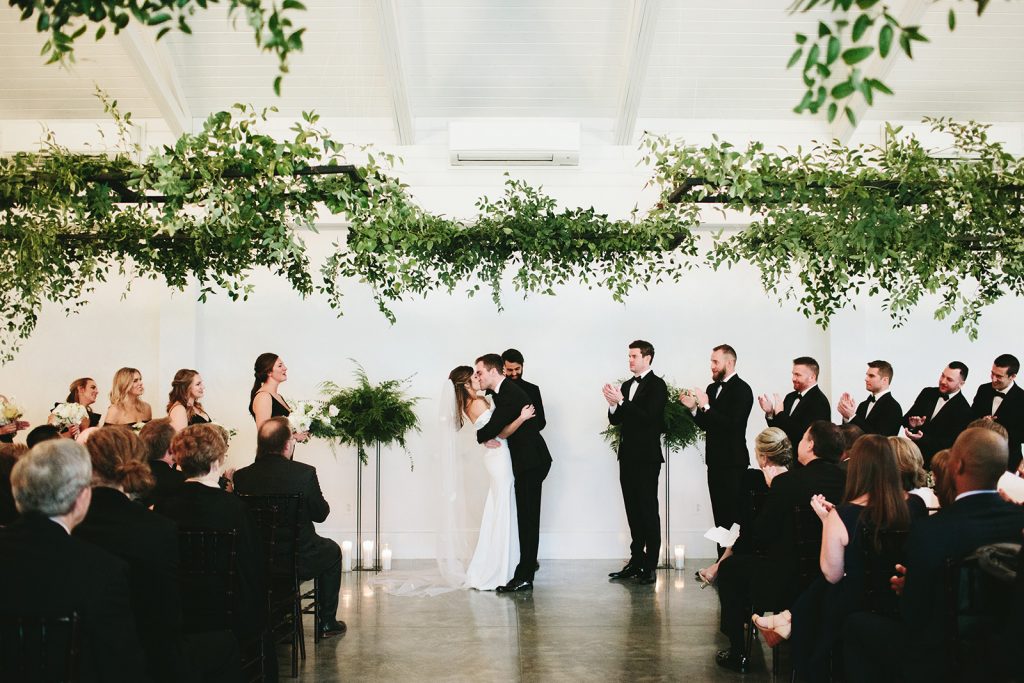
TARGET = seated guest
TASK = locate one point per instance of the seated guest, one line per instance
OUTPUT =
(9, 454)
(146, 541)
(773, 581)
(939, 414)
(1002, 400)
(879, 413)
(774, 455)
(874, 499)
(183, 406)
(84, 392)
(200, 503)
(47, 572)
(274, 472)
(913, 477)
(944, 488)
(40, 434)
(915, 646)
(126, 404)
(851, 433)
(156, 437)
(988, 422)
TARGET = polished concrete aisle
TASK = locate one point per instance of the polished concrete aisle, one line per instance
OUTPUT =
(574, 626)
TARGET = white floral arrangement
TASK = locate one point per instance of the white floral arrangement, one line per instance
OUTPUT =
(230, 431)
(304, 414)
(137, 427)
(69, 414)
(10, 411)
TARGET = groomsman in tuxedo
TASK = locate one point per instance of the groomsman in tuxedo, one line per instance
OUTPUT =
(722, 413)
(638, 407)
(513, 369)
(879, 413)
(531, 462)
(940, 413)
(802, 406)
(1004, 401)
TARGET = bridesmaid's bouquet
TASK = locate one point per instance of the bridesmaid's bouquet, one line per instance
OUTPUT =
(10, 411)
(305, 415)
(228, 432)
(69, 414)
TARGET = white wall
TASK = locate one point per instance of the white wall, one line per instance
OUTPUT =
(573, 343)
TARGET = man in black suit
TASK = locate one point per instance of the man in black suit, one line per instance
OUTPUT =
(513, 369)
(878, 648)
(275, 473)
(802, 406)
(531, 462)
(638, 407)
(1004, 401)
(47, 572)
(771, 582)
(879, 413)
(156, 436)
(940, 413)
(722, 413)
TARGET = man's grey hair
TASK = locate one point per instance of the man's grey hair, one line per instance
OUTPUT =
(48, 479)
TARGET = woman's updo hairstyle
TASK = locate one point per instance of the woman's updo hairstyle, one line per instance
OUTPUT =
(773, 445)
(119, 458)
(261, 370)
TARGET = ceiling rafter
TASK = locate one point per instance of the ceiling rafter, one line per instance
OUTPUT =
(155, 67)
(387, 17)
(638, 56)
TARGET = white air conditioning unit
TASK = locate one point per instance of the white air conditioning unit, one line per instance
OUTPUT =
(514, 142)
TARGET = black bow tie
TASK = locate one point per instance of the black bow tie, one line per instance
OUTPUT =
(1001, 393)
(871, 398)
(943, 397)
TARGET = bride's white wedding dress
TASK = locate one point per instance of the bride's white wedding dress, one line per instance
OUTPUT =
(497, 547)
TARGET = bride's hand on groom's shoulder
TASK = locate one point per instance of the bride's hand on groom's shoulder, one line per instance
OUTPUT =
(527, 412)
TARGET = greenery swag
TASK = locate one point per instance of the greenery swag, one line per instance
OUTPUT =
(680, 429)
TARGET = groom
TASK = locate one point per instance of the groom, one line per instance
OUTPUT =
(530, 462)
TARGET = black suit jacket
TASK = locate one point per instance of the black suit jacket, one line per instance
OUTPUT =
(952, 533)
(813, 406)
(533, 391)
(641, 420)
(886, 418)
(1010, 415)
(148, 543)
(274, 474)
(196, 506)
(168, 481)
(941, 431)
(47, 572)
(725, 424)
(526, 445)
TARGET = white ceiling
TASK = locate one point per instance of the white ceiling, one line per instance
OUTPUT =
(707, 60)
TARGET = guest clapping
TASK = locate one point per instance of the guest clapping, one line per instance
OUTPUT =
(265, 402)
(126, 404)
(183, 403)
(84, 392)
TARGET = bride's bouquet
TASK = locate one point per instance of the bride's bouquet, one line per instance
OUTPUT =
(10, 411)
(69, 414)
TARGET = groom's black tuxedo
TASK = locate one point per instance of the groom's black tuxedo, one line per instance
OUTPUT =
(642, 422)
(531, 462)
(725, 428)
(533, 391)
(1010, 414)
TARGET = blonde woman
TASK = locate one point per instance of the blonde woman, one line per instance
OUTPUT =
(126, 404)
(183, 402)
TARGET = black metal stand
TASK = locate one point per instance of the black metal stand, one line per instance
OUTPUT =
(667, 543)
(357, 566)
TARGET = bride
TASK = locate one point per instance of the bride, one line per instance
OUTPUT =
(497, 547)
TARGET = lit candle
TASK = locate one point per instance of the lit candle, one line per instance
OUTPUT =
(680, 556)
(367, 554)
(385, 558)
(346, 556)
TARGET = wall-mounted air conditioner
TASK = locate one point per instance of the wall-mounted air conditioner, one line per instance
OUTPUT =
(513, 142)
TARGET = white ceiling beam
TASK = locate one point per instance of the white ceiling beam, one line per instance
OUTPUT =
(638, 54)
(387, 16)
(879, 68)
(155, 66)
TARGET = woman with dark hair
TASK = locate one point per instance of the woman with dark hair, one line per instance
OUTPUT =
(183, 406)
(874, 500)
(84, 392)
(126, 404)
(264, 401)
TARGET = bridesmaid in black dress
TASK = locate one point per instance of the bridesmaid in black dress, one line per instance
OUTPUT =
(8, 431)
(183, 402)
(265, 402)
(126, 405)
(84, 392)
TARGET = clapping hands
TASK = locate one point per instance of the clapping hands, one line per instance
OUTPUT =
(847, 408)
(771, 404)
(821, 506)
(612, 394)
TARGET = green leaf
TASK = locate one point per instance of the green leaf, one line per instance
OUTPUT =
(885, 40)
(834, 46)
(850, 116)
(277, 86)
(801, 39)
(812, 58)
(857, 54)
(833, 108)
(158, 18)
(862, 24)
(101, 31)
(823, 29)
(797, 54)
(292, 4)
(951, 19)
(880, 86)
(844, 89)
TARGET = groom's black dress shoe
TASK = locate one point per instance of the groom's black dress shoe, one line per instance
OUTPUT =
(733, 660)
(515, 585)
(647, 577)
(627, 572)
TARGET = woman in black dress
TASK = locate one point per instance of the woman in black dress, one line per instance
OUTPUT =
(265, 402)
(84, 392)
(8, 430)
(183, 401)
(126, 405)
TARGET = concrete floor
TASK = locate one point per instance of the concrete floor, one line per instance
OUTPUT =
(574, 626)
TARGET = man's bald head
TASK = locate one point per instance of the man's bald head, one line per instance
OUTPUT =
(273, 437)
(979, 458)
